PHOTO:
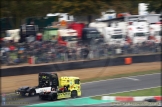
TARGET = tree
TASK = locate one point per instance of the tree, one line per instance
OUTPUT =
(79, 7)
(22, 9)
(155, 6)
(121, 6)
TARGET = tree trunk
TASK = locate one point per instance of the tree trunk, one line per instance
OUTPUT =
(89, 19)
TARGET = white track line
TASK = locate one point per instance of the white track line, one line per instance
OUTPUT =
(134, 79)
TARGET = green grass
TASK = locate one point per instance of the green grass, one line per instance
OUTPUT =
(145, 92)
(122, 75)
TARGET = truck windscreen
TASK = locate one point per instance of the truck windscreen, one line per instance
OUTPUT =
(30, 28)
(158, 33)
(44, 80)
(44, 77)
(93, 35)
(116, 36)
(139, 34)
(69, 38)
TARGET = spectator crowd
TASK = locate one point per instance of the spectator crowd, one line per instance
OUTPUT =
(48, 51)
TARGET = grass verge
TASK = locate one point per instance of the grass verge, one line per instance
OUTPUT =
(146, 92)
(122, 75)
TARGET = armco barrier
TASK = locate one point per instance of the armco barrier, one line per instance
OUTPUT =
(77, 65)
(146, 58)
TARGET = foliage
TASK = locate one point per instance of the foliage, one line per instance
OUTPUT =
(24, 8)
(155, 6)
(79, 7)
(29, 8)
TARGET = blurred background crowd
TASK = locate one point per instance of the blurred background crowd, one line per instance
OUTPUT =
(48, 51)
(29, 35)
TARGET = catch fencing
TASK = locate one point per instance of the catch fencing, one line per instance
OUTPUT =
(48, 52)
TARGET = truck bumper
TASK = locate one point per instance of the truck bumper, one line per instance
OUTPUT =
(43, 96)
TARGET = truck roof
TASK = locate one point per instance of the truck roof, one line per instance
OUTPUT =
(47, 73)
(89, 29)
(69, 77)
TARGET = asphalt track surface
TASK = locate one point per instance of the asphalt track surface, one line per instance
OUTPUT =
(99, 87)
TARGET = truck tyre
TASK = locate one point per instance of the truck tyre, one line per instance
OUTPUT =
(40, 97)
(54, 97)
(74, 94)
(22, 94)
(32, 93)
(49, 98)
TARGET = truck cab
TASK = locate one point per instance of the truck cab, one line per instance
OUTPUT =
(114, 36)
(99, 26)
(58, 88)
(67, 37)
(155, 33)
(78, 27)
(12, 35)
(45, 81)
(138, 32)
(91, 35)
(50, 34)
(28, 33)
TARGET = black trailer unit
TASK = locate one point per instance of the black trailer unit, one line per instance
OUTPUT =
(45, 79)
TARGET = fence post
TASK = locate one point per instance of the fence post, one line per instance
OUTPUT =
(33, 59)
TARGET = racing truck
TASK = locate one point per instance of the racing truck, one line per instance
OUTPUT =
(51, 87)
(30, 91)
(61, 88)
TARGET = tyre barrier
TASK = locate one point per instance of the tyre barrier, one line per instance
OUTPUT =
(123, 60)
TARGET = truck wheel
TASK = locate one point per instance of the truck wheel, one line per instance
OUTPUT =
(40, 97)
(32, 93)
(22, 94)
(49, 98)
(73, 94)
(54, 97)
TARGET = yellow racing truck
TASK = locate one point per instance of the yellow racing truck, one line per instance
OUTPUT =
(60, 88)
